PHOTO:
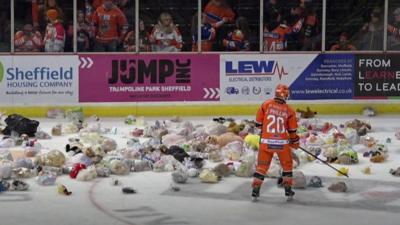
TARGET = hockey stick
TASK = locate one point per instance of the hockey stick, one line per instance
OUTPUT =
(316, 157)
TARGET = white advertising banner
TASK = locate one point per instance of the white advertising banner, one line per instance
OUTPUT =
(33, 80)
(253, 77)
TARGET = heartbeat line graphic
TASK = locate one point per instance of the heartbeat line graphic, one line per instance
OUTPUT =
(281, 71)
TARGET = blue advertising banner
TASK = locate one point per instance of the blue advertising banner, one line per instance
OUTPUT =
(329, 76)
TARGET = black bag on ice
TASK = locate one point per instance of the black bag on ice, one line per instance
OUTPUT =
(20, 125)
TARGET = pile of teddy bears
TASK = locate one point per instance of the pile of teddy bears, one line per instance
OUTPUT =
(210, 152)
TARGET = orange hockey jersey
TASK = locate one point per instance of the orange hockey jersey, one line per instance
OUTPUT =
(216, 14)
(110, 25)
(278, 121)
(276, 40)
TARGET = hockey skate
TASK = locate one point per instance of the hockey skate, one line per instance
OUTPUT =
(255, 194)
(289, 193)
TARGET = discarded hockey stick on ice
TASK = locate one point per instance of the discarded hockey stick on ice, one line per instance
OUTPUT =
(316, 157)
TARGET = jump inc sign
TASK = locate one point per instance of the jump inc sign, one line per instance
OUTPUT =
(146, 78)
(154, 72)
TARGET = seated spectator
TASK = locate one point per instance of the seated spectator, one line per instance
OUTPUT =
(207, 34)
(144, 45)
(28, 40)
(344, 44)
(238, 39)
(165, 36)
(54, 39)
(394, 31)
(277, 32)
(371, 35)
(85, 33)
(111, 27)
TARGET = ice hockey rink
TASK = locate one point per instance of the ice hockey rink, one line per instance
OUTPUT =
(371, 199)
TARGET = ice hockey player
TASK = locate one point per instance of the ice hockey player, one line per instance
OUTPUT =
(278, 124)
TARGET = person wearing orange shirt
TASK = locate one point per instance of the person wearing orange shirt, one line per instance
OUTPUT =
(111, 27)
(275, 37)
(278, 124)
(238, 40)
(218, 13)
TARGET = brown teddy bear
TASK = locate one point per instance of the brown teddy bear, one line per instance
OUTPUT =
(306, 114)
(235, 128)
(223, 139)
(361, 127)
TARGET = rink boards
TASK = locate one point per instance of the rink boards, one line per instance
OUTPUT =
(197, 84)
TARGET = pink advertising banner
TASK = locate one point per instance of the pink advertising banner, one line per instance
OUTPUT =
(148, 78)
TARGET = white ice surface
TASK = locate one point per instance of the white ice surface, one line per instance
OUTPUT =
(98, 203)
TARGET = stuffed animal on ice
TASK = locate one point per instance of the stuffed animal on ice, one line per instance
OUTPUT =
(369, 111)
(348, 157)
(302, 131)
(351, 135)
(331, 153)
(338, 187)
(235, 128)
(379, 154)
(208, 176)
(233, 150)
(306, 114)
(360, 126)
(368, 143)
(216, 129)
(173, 139)
(253, 141)
(180, 176)
(56, 130)
(53, 158)
(223, 139)
(395, 172)
(245, 169)
(314, 144)
(249, 128)
(314, 140)
(75, 115)
(299, 180)
(222, 170)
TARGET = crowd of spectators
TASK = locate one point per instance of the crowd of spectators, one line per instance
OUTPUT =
(292, 25)
(172, 26)
(48, 28)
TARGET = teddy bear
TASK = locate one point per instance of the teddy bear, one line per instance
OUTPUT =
(308, 113)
